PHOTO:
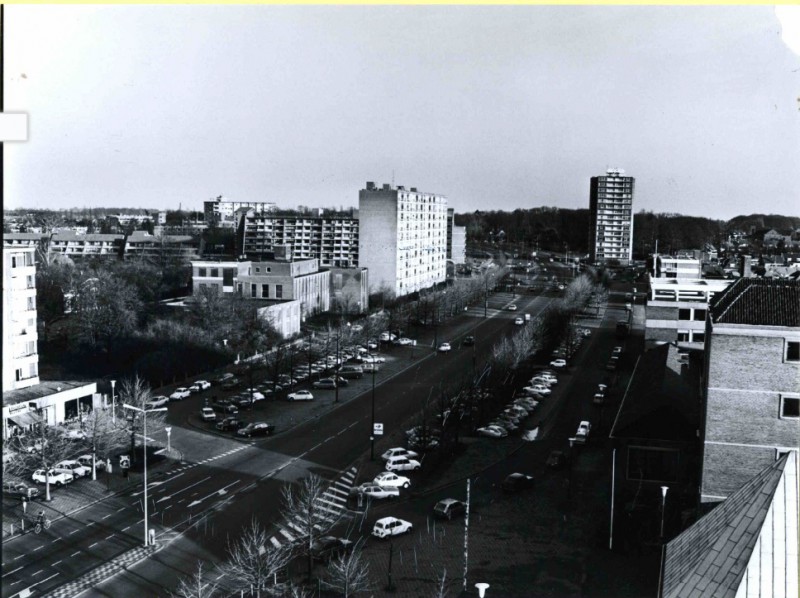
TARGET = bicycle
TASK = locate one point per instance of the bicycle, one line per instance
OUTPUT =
(42, 523)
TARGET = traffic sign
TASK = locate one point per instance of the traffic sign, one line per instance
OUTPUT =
(377, 429)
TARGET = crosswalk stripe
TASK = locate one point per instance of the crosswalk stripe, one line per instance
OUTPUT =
(286, 534)
(275, 542)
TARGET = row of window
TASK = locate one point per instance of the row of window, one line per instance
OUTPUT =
(692, 314)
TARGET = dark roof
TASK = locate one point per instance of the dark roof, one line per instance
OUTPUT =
(657, 405)
(710, 558)
(43, 389)
(758, 302)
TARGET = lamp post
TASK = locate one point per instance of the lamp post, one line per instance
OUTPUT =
(144, 413)
(113, 403)
(336, 372)
(168, 430)
(482, 587)
(372, 430)
(569, 479)
(663, 504)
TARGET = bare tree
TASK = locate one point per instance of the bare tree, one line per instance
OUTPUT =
(441, 587)
(193, 586)
(136, 392)
(40, 450)
(304, 510)
(102, 434)
(348, 573)
(254, 562)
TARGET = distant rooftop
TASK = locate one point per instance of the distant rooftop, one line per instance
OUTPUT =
(43, 389)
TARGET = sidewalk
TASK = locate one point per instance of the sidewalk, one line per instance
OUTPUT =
(78, 495)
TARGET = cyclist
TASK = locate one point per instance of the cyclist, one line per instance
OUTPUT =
(41, 518)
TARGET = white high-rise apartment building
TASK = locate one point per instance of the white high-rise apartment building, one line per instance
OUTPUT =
(20, 352)
(402, 238)
(611, 212)
(222, 210)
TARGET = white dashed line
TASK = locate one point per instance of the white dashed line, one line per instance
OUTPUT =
(37, 573)
(75, 531)
(57, 563)
(107, 516)
(38, 548)
(74, 553)
(120, 509)
(93, 545)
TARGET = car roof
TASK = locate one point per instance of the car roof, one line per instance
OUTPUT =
(386, 519)
(447, 501)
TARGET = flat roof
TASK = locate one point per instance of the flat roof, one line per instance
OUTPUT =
(43, 389)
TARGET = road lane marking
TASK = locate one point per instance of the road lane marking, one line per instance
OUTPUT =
(38, 548)
(44, 580)
(107, 516)
(125, 529)
(120, 509)
(109, 537)
(91, 523)
(57, 562)
(37, 573)
(14, 571)
(19, 557)
(74, 553)
(75, 531)
(93, 545)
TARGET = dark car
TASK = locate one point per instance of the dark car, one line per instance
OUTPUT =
(19, 490)
(449, 508)
(225, 406)
(230, 383)
(556, 460)
(517, 481)
(243, 401)
(256, 429)
(230, 424)
(329, 547)
(469, 341)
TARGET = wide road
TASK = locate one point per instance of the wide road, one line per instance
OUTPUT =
(226, 483)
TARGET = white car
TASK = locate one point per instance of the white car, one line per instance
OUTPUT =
(200, 385)
(391, 480)
(444, 348)
(404, 341)
(517, 410)
(391, 526)
(376, 491)
(399, 452)
(156, 402)
(59, 478)
(541, 389)
(300, 395)
(559, 363)
(207, 414)
(387, 337)
(86, 461)
(528, 404)
(530, 391)
(583, 432)
(402, 464)
(74, 467)
(372, 359)
(518, 321)
(180, 393)
(74, 434)
(254, 394)
(493, 432)
(512, 307)
(616, 350)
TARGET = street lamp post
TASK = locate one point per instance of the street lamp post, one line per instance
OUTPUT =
(482, 587)
(168, 430)
(113, 403)
(569, 479)
(663, 505)
(372, 430)
(144, 413)
(336, 372)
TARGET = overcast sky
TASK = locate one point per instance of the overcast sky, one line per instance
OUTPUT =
(494, 107)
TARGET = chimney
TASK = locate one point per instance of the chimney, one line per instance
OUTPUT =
(387, 187)
(370, 186)
(745, 270)
(413, 189)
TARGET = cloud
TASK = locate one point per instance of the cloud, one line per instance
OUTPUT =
(789, 16)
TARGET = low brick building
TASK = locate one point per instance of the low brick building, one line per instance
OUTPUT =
(752, 382)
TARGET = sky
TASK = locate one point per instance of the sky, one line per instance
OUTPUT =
(499, 107)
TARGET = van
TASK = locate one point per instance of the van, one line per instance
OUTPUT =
(527, 317)
(351, 371)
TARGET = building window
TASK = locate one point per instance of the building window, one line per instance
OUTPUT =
(279, 291)
(258, 270)
(253, 291)
(793, 351)
(699, 315)
(790, 407)
(201, 271)
(699, 337)
(683, 336)
(239, 288)
(265, 291)
(215, 272)
(684, 314)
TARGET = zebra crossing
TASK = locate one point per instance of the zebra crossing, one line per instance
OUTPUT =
(208, 460)
(332, 504)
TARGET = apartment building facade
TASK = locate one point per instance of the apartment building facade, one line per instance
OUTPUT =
(402, 238)
(20, 338)
(332, 240)
(678, 301)
(611, 215)
(220, 210)
(752, 382)
(300, 280)
(456, 239)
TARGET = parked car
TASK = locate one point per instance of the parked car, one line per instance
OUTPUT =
(398, 452)
(327, 548)
(351, 371)
(559, 363)
(207, 414)
(449, 508)
(492, 432)
(402, 464)
(599, 398)
(517, 481)
(300, 395)
(74, 467)
(505, 424)
(325, 384)
(156, 402)
(556, 460)
(512, 307)
(256, 429)
(230, 383)
(180, 393)
(469, 341)
(373, 359)
(391, 479)
(73, 434)
(404, 341)
(59, 478)
(243, 401)
(391, 526)
(225, 406)
(444, 348)
(616, 350)
(254, 394)
(19, 490)
(583, 432)
(387, 337)
(224, 378)
(230, 424)
(200, 385)
(377, 492)
(86, 461)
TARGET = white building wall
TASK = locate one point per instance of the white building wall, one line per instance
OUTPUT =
(20, 338)
(377, 237)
